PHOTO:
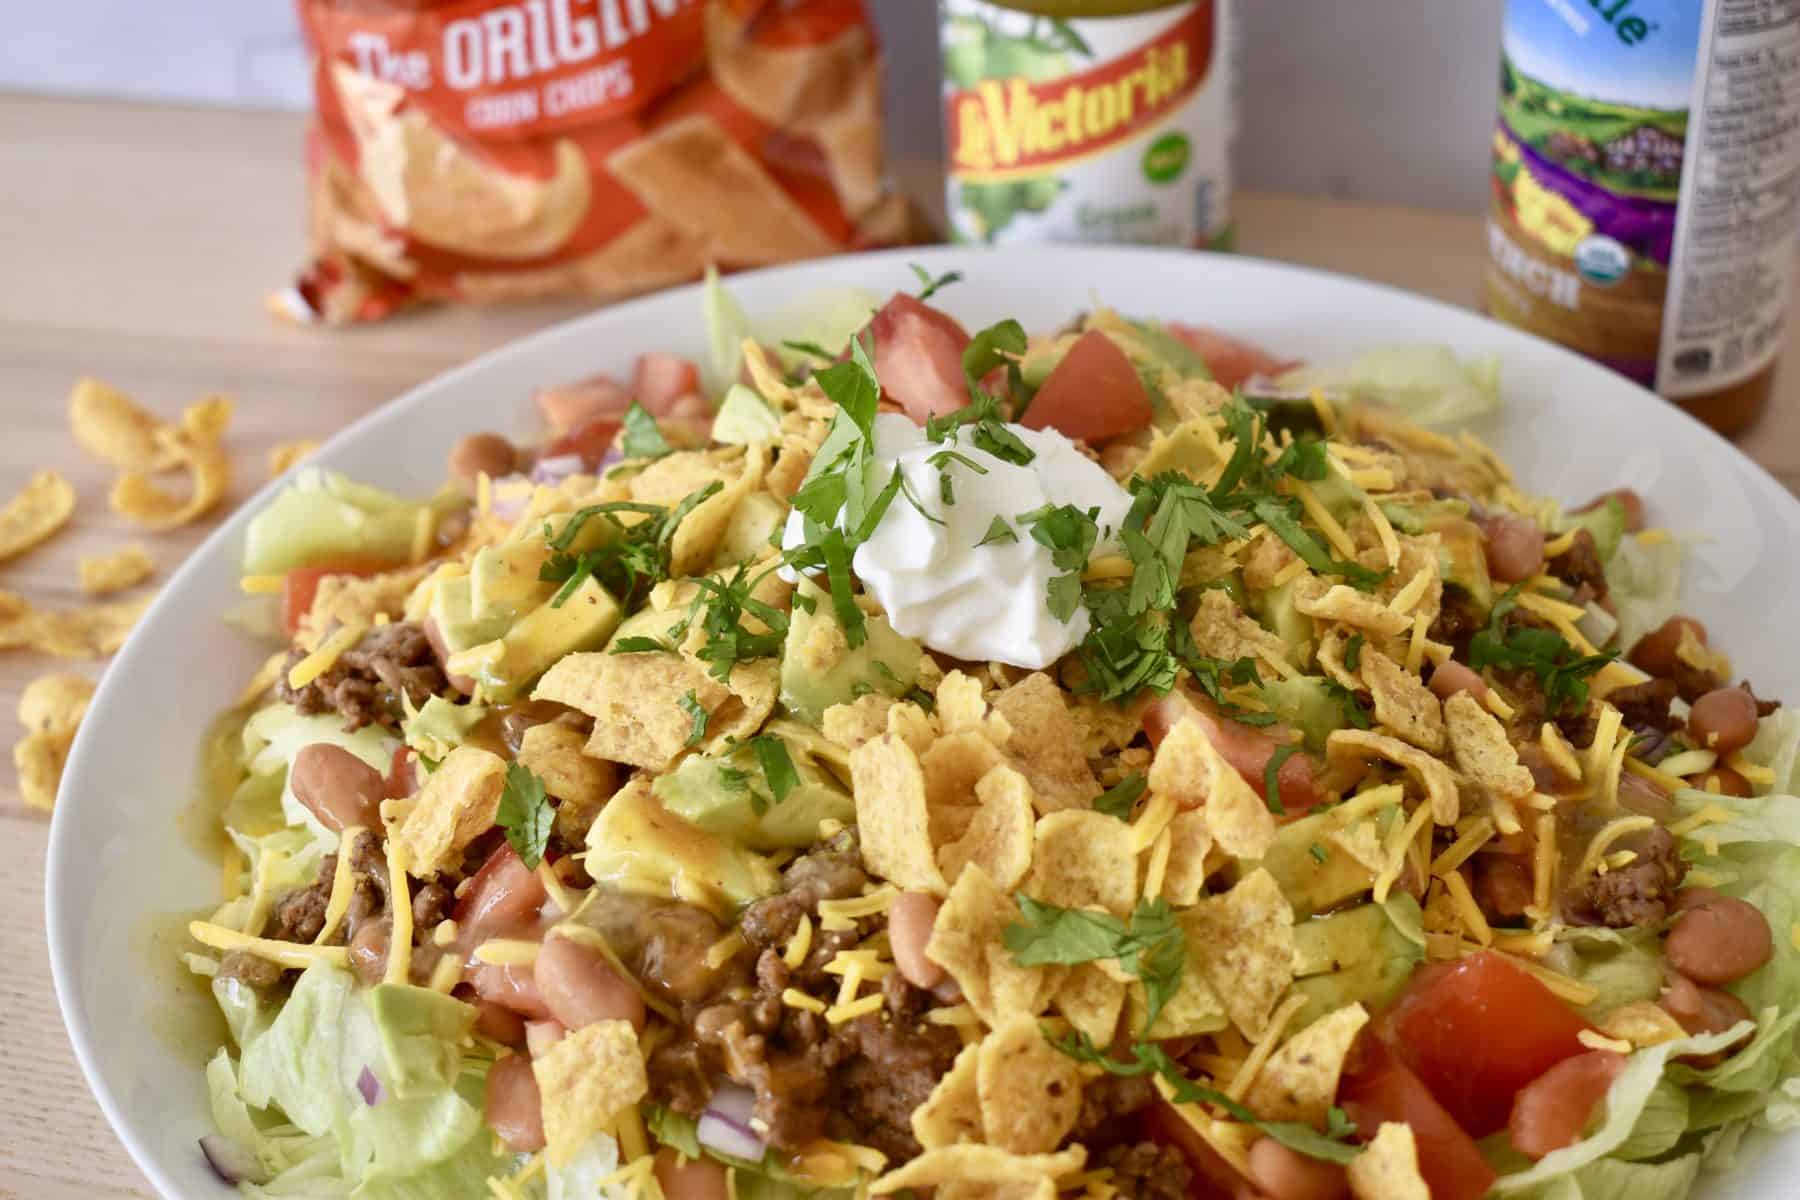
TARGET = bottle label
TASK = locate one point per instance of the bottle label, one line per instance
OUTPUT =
(1104, 129)
(1643, 182)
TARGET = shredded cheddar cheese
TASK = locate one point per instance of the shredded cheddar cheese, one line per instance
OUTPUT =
(446, 974)
(1606, 732)
(1496, 704)
(1593, 1039)
(723, 950)
(1408, 597)
(1560, 545)
(507, 952)
(1327, 414)
(1321, 516)
(1661, 778)
(1156, 867)
(843, 914)
(1415, 647)
(629, 1129)
(1709, 814)
(1246, 1074)
(863, 1006)
(1152, 821)
(424, 526)
(1532, 945)
(1755, 773)
(1688, 762)
(1109, 566)
(1603, 840)
(262, 585)
(1395, 850)
(400, 947)
(1289, 573)
(1477, 835)
(1559, 752)
(325, 657)
(288, 954)
(795, 998)
(1384, 530)
(1544, 862)
(1366, 802)
(1468, 913)
(1652, 537)
(342, 885)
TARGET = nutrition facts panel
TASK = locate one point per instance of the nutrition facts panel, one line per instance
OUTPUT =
(1740, 200)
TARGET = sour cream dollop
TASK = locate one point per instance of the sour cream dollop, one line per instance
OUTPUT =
(936, 584)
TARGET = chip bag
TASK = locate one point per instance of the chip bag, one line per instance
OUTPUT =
(519, 149)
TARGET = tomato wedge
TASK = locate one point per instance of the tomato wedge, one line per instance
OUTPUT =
(1553, 1110)
(1476, 1031)
(661, 379)
(590, 441)
(1377, 1087)
(1247, 749)
(503, 896)
(570, 406)
(918, 357)
(1092, 394)
(1231, 361)
(301, 584)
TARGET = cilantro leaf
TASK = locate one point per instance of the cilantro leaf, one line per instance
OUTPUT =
(1319, 853)
(1272, 777)
(809, 348)
(1278, 515)
(1150, 945)
(1561, 670)
(631, 559)
(777, 766)
(1069, 534)
(690, 704)
(998, 531)
(642, 439)
(1353, 652)
(928, 286)
(1117, 800)
(641, 645)
(1150, 1059)
(525, 814)
(720, 607)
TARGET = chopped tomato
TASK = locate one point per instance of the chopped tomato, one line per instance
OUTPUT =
(1377, 1087)
(1092, 394)
(302, 583)
(1553, 1110)
(570, 406)
(591, 441)
(1230, 360)
(1245, 748)
(1478, 1029)
(1214, 1178)
(662, 379)
(402, 781)
(504, 896)
(918, 357)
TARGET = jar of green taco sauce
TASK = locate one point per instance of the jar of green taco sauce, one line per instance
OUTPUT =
(1087, 121)
(1646, 189)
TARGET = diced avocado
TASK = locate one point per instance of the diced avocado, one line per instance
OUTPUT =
(456, 623)
(1463, 560)
(637, 845)
(724, 795)
(504, 583)
(1362, 955)
(656, 623)
(1184, 448)
(1043, 357)
(324, 516)
(1314, 886)
(1606, 521)
(1157, 344)
(1274, 608)
(1307, 703)
(1425, 516)
(745, 418)
(748, 534)
(583, 621)
(440, 725)
(819, 669)
(422, 1032)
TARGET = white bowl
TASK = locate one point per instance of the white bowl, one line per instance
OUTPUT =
(118, 851)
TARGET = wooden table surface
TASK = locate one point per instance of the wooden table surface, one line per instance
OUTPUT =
(136, 245)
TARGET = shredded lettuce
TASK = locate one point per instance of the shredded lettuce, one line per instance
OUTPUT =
(1611, 1179)
(323, 515)
(278, 732)
(825, 319)
(1622, 965)
(1645, 583)
(440, 726)
(579, 1178)
(1427, 382)
(765, 1180)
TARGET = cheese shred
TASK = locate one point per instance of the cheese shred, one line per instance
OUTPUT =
(325, 657)
(342, 884)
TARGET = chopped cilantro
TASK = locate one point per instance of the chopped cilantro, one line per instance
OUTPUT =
(1150, 1059)
(690, 704)
(642, 439)
(928, 286)
(1319, 853)
(525, 814)
(1561, 670)
(811, 348)
(720, 607)
(631, 559)
(998, 531)
(1117, 800)
(1353, 652)
(1278, 514)
(641, 645)
(1150, 945)
(777, 766)
(1069, 534)
(1272, 777)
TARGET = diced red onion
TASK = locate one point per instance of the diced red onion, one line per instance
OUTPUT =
(612, 458)
(230, 1161)
(725, 1125)
(556, 468)
(510, 499)
(370, 1087)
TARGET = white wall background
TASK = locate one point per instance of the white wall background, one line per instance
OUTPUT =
(1385, 100)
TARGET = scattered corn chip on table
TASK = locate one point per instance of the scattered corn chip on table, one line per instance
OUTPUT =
(138, 245)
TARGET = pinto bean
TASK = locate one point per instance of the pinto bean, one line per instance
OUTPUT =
(513, 1107)
(1703, 1010)
(1284, 1174)
(499, 1024)
(369, 950)
(1515, 547)
(1719, 941)
(689, 1178)
(1723, 780)
(580, 987)
(1451, 677)
(1655, 651)
(481, 454)
(511, 987)
(337, 787)
(1724, 719)
(910, 919)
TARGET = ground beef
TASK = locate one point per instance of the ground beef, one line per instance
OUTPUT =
(365, 684)
(1693, 682)
(1580, 567)
(1148, 1171)
(894, 1063)
(251, 969)
(1645, 706)
(1638, 893)
(1104, 1101)
(1764, 708)
(1457, 621)
(1502, 887)
(831, 872)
